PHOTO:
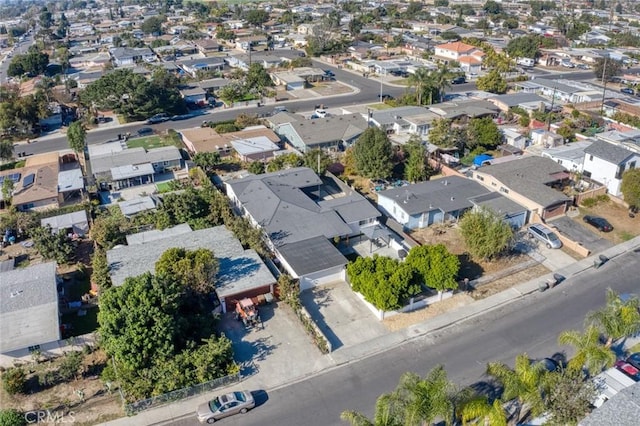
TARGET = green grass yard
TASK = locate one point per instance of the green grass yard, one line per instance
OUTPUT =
(148, 142)
(163, 187)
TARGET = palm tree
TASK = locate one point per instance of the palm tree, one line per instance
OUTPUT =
(420, 79)
(618, 318)
(523, 382)
(388, 413)
(442, 80)
(427, 399)
(478, 410)
(589, 352)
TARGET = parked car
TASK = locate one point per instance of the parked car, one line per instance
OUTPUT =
(158, 118)
(568, 64)
(278, 109)
(544, 235)
(634, 359)
(629, 370)
(386, 97)
(459, 80)
(329, 73)
(628, 91)
(145, 131)
(583, 67)
(321, 112)
(599, 222)
(181, 117)
(224, 406)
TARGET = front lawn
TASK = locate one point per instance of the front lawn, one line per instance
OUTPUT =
(148, 142)
(164, 187)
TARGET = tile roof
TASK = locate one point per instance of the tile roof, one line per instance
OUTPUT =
(456, 46)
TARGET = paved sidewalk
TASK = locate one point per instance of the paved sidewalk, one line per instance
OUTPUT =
(270, 380)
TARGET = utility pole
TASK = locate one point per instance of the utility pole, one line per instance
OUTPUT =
(553, 101)
(604, 84)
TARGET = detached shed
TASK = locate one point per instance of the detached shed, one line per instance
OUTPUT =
(71, 223)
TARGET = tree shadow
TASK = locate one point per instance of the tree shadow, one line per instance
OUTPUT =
(313, 305)
(468, 267)
(260, 397)
(489, 388)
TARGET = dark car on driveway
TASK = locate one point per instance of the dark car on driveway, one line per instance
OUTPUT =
(634, 359)
(599, 222)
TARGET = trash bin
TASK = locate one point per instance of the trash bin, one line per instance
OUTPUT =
(542, 287)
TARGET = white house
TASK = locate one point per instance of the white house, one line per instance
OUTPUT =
(606, 162)
(570, 156)
(456, 51)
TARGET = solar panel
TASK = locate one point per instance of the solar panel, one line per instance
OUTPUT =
(29, 179)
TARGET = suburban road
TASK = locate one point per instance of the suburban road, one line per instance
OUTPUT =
(21, 48)
(529, 325)
(369, 93)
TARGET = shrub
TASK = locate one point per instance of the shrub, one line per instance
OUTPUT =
(70, 366)
(47, 379)
(14, 380)
(11, 417)
(589, 202)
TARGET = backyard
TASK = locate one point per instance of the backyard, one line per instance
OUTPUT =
(148, 142)
(624, 226)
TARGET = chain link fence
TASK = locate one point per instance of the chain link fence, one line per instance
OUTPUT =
(145, 404)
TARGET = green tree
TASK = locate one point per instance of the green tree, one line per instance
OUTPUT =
(152, 25)
(187, 207)
(439, 133)
(388, 412)
(421, 80)
(568, 396)
(257, 78)
(100, 270)
(11, 417)
(7, 191)
(384, 282)
(478, 410)
(441, 79)
(70, 365)
(109, 229)
(77, 135)
(46, 18)
(618, 319)
(435, 266)
(256, 17)
(416, 168)
(52, 246)
(33, 63)
(195, 268)
(589, 352)
(373, 154)
(483, 132)
(485, 233)
(492, 7)
(317, 158)
(6, 149)
(14, 380)
(524, 47)
(492, 82)
(426, 399)
(607, 67)
(206, 160)
(256, 167)
(630, 187)
(525, 383)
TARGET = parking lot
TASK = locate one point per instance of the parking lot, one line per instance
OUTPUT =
(584, 234)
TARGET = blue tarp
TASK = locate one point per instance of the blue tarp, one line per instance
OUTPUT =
(481, 159)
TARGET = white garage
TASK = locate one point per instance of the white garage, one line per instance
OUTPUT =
(315, 261)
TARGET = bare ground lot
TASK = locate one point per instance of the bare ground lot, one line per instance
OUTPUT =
(624, 227)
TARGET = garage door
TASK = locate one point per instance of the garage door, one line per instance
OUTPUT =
(322, 277)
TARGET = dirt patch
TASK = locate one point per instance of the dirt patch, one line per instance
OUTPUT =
(509, 281)
(329, 88)
(624, 227)
(62, 400)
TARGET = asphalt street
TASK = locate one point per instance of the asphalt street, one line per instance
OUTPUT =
(20, 49)
(369, 93)
(529, 325)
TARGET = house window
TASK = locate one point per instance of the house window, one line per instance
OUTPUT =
(586, 173)
(34, 348)
(591, 158)
(503, 189)
(632, 165)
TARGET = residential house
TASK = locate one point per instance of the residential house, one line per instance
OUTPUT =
(332, 132)
(619, 405)
(606, 162)
(130, 55)
(194, 95)
(546, 138)
(115, 167)
(299, 228)
(298, 78)
(241, 273)
(413, 120)
(456, 51)
(206, 139)
(511, 212)
(259, 148)
(70, 223)
(514, 138)
(192, 66)
(570, 156)
(207, 46)
(130, 208)
(527, 101)
(464, 109)
(29, 314)
(529, 181)
(422, 204)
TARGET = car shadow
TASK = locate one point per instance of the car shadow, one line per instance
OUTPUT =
(260, 397)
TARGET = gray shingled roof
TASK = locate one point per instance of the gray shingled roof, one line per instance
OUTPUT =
(287, 214)
(515, 99)
(104, 163)
(389, 116)
(352, 208)
(528, 175)
(554, 84)
(498, 203)
(609, 152)
(240, 269)
(28, 307)
(447, 194)
(312, 255)
(623, 409)
(330, 129)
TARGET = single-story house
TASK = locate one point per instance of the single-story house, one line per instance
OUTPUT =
(130, 55)
(525, 100)
(70, 223)
(259, 148)
(473, 108)
(511, 212)
(514, 138)
(206, 139)
(413, 120)
(546, 138)
(528, 180)
(194, 95)
(192, 66)
(297, 78)
(115, 167)
(423, 204)
(334, 132)
(242, 273)
(29, 310)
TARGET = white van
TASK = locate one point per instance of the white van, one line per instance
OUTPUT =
(526, 62)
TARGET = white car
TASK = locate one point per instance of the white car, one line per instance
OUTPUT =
(321, 113)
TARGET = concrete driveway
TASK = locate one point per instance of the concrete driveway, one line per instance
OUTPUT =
(279, 348)
(344, 319)
(585, 234)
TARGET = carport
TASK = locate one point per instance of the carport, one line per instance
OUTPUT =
(375, 233)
